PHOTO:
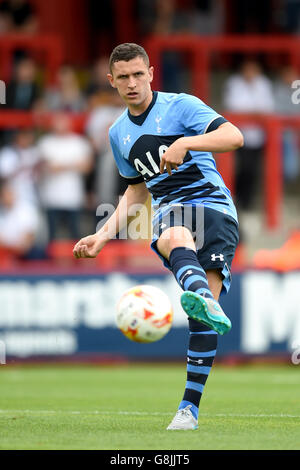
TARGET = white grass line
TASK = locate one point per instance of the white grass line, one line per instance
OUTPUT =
(94, 412)
(253, 415)
(146, 413)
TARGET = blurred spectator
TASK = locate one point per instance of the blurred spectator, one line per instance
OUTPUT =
(19, 163)
(17, 16)
(290, 16)
(249, 92)
(170, 16)
(167, 17)
(285, 106)
(98, 91)
(207, 17)
(19, 221)
(22, 91)
(66, 95)
(67, 158)
(102, 25)
(165, 20)
(107, 179)
(252, 16)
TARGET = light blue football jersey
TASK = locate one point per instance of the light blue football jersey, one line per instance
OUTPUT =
(138, 142)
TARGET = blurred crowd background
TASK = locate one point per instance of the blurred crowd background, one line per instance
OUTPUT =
(54, 175)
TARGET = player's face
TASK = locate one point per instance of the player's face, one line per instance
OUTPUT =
(133, 80)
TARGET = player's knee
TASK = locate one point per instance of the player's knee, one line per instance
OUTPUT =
(174, 237)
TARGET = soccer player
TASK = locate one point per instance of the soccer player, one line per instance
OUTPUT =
(162, 144)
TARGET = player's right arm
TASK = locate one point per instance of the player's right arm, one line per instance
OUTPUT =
(90, 246)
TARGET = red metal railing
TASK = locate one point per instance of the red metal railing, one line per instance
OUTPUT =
(202, 48)
(201, 51)
(11, 119)
(273, 125)
(49, 47)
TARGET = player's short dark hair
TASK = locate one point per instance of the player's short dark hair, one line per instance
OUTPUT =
(126, 52)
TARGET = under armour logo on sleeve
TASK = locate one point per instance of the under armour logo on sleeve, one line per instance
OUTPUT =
(126, 139)
(214, 257)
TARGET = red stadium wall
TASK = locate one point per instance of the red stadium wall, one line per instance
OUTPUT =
(69, 20)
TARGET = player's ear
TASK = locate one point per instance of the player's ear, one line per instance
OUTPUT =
(151, 70)
(111, 80)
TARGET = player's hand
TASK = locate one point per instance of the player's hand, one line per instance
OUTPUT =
(88, 247)
(174, 156)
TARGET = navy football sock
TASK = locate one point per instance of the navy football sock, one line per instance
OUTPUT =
(203, 341)
(200, 357)
(189, 273)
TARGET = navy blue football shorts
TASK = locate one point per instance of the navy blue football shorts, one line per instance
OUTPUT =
(215, 233)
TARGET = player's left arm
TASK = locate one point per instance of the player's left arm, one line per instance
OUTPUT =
(225, 138)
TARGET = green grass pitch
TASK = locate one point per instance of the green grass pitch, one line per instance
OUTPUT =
(130, 406)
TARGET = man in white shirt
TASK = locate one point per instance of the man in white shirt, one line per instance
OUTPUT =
(107, 176)
(284, 105)
(67, 158)
(19, 163)
(249, 92)
(19, 222)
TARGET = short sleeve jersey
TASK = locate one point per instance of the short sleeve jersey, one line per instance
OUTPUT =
(138, 143)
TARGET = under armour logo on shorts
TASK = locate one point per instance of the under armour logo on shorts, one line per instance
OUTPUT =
(214, 257)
